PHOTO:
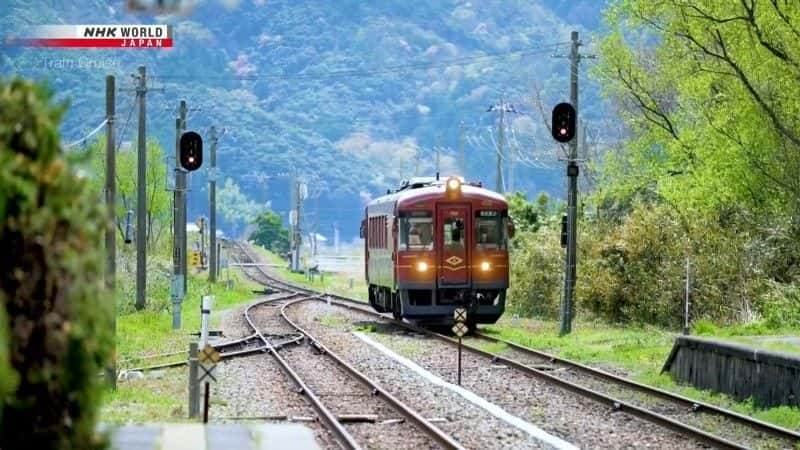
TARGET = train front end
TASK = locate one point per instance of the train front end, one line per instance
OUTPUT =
(452, 251)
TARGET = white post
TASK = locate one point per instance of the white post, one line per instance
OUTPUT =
(686, 300)
(205, 319)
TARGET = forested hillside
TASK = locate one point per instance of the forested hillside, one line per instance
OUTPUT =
(352, 95)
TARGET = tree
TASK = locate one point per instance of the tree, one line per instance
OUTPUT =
(235, 207)
(51, 228)
(270, 232)
(159, 200)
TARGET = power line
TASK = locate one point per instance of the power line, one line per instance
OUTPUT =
(83, 139)
(467, 60)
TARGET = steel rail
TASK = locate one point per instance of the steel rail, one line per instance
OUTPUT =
(331, 422)
(656, 418)
(696, 405)
(425, 425)
(616, 405)
(222, 354)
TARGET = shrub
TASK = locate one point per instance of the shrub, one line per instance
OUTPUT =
(780, 307)
(536, 277)
(50, 280)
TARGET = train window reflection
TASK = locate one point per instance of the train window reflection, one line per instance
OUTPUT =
(489, 230)
(416, 231)
(454, 232)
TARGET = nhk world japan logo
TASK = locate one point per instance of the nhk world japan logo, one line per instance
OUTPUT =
(97, 36)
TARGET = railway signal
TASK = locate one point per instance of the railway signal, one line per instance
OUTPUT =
(563, 123)
(191, 151)
(195, 258)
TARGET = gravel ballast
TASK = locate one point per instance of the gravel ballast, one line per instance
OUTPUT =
(569, 416)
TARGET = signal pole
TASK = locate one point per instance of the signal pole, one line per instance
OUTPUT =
(141, 195)
(179, 225)
(212, 200)
(111, 229)
(568, 305)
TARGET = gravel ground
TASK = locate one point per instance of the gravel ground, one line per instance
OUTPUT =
(337, 390)
(707, 421)
(255, 387)
(571, 417)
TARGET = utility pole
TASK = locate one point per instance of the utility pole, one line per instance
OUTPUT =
(500, 186)
(111, 229)
(297, 233)
(503, 108)
(141, 195)
(212, 200)
(568, 304)
(462, 161)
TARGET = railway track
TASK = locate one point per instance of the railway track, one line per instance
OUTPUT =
(245, 346)
(354, 391)
(660, 407)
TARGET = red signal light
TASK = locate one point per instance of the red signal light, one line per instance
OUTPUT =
(191, 151)
(563, 124)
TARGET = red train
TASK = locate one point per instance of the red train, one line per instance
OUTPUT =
(434, 245)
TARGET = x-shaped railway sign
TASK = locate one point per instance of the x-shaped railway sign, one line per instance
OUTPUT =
(460, 329)
(208, 355)
(460, 315)
(207, 371)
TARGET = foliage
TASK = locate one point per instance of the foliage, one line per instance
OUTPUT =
(526, 215)
(537, 259)
(235, 207)
(781, 306)
(270, 233)
(51, 278)
(159, 200)
(707, 169)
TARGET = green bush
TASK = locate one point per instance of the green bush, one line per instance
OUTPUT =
(780, 306)
(50, 280)
(633, 272)
(536, 276)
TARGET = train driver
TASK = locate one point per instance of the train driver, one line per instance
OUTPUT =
(421, 236)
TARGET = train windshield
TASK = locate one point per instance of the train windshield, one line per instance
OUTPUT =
(416, 230)
(490, 230)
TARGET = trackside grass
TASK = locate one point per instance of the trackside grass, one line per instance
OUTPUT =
(334, 283)
(162, 396)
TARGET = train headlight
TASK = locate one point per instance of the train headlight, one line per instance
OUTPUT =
(422, 266)
(453, 184)
(485, 266)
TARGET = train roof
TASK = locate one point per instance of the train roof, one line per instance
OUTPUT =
(426, 188)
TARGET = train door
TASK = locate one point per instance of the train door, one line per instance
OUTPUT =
(453, 236)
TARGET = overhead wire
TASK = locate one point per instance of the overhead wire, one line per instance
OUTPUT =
(85, 138)
(467, 60)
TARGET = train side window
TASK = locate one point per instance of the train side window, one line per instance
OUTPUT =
(416, 230)
(489, 230)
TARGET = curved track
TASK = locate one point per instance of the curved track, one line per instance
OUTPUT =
(575, 384)
(324, 411)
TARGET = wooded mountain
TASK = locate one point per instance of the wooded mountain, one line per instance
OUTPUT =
(350, 95)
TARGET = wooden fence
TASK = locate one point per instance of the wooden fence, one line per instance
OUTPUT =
(771, 378)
